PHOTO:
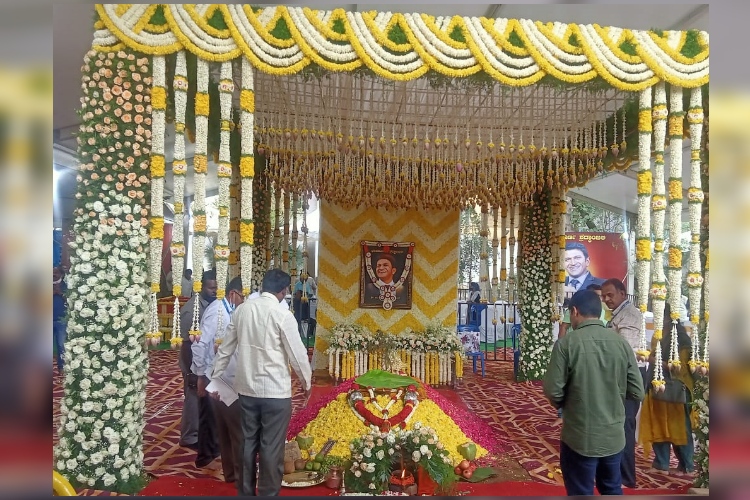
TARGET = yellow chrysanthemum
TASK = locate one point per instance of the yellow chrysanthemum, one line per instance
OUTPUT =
(201, 104)
(247, 230)
(247, 166)
(675, 257)
(159, 98)
(675, 190)
(643, 249)
(157, 228)
(644, 182)
(644, 120)
(247, 100)
(200, 164)
(199, 223)
(157, 166)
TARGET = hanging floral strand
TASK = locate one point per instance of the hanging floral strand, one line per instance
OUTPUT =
(503, 292)
(695, 207)
(295, 234)
(247, 172)
(511, 257)
(179, 169)
(659, 205)
(200, 166)
(484, 270)
(561, 247)
(643, 224)
(221, 252)
(285, 236)
(676, 118)
(156, 243)
(495, 243)
(277, 205)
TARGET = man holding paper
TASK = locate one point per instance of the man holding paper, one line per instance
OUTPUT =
(219, 423)
(267, 342)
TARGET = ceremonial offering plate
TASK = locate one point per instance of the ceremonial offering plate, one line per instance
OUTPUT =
(302, 479)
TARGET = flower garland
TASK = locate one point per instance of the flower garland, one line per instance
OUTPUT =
(386, 422)
(561, 246)
(179, 170)
(295, 234)
(285, 240)
(511, 297)
(484, 270)
(283, 40)
(503, 295)
(224, 171)
(156, 220)
(695, 207)
(676, 118)
(247, 172)
(101, 422)
(200, 170)
(643, 223)
(493, 296)
(536, 338)
(658, 205)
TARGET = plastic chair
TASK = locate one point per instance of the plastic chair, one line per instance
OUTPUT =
(474, 356)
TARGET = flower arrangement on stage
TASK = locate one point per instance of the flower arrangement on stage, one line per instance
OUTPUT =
(101, 420)
(428, 355)
(376, 454)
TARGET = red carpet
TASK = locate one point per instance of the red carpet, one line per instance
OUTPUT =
(185, 486)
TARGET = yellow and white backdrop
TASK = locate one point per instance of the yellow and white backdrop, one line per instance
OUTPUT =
(435, 234)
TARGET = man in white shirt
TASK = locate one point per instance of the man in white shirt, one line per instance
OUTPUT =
(212, 435)
(267, 343)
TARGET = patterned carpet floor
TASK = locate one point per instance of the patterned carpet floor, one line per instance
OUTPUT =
(518, 411)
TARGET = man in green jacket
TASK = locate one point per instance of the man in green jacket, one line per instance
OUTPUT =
(590, 374)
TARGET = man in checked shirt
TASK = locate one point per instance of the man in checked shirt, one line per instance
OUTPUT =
(627, 321)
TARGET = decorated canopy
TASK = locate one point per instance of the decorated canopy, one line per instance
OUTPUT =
(401, 111)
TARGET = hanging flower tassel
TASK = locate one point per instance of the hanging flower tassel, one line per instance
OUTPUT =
(658, 382)
(176, 340)
(195, 334)
(704, 365)
(153, 335)
(674, 354)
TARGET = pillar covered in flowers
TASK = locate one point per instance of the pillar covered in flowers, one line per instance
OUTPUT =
(101, 424)
(536, 287)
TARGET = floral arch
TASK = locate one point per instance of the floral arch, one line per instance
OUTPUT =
(283, 103)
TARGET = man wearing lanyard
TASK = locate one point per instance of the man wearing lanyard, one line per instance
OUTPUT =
(627, 321)
(203, 355)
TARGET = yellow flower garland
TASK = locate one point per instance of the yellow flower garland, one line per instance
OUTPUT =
(645, 180)
(157, 228)
(643, 249)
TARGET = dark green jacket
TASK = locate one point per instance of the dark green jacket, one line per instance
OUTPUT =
(591, 372)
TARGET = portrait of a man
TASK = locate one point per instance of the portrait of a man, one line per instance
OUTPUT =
(577, 264)
(386, 277)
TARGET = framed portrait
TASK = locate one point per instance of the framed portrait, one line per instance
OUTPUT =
(386, 275)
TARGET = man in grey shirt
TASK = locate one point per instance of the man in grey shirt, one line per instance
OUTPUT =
(627, 321)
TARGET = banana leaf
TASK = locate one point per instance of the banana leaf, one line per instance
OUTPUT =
(480, 474)
(380, 379)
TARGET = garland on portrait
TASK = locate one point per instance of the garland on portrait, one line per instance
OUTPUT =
(535, 264)
(102, 411)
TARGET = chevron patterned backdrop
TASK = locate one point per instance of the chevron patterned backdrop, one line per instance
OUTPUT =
(435, 234)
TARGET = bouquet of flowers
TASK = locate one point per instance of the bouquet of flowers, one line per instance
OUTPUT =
(349, 337)
(376, 454)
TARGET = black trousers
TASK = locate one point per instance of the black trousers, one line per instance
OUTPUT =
(208, 444)
(229, 431)
(627, 465)
(264, 425)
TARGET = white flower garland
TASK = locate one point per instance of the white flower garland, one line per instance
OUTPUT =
(221, 252)
(247, 169)
(643, 223)
(675, 213)
(483, 256)
(251, 32)
(511, 257)
(493, 296)
(502, 295)
(658, 205)
(695, 206)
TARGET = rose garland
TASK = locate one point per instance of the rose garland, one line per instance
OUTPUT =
(536, 339)
(386, 422)
(101, 422)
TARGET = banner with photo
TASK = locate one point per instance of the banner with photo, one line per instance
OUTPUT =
(386, 275)
(594, 258)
